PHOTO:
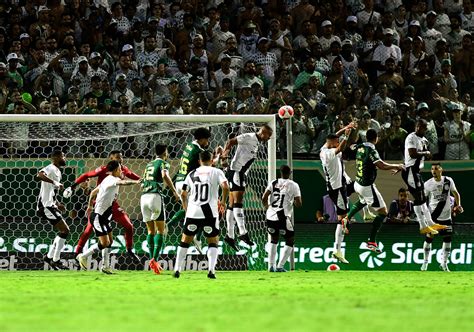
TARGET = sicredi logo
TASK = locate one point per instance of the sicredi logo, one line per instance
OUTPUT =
(371, 258)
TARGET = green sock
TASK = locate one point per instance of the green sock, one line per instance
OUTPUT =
(177, 217)
(376, 224)
(158, 246)
(151, 244)
(355, 208)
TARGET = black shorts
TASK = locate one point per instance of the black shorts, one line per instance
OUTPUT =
(284, 226)
(51, 214)
(210, 226)
(237, 180)
(339, 198)
(101, 222)
(412, 178)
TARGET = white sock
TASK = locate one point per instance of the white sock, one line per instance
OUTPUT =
(59, 246)
(212, 257)
(105, 257)
(427, 215)
(339, 237)
(272, 255)
(180, 256)
(426, 251)
(419, 215)
(239, 217)
(92, 249)
(52, 247)
(446, 251)
(284, 258)
(229, 217)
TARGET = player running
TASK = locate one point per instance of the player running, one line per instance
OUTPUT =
(416, 151)
(118, 214)
(200, 194)
(102, 214)
(50, 209)
(438, 190)
(367, 162)
(152, 204)
(245, 154)
(278, 199)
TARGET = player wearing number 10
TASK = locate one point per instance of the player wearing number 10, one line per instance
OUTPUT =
(152, 204)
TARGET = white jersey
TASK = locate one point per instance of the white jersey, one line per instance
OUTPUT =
(108, 191)
(438, 192)
(203, 185)
(47, 195)
(413, 141)
(282, 196)
(247, 148)
(333, 167)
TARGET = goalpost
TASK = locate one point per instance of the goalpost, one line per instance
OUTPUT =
(27, 140)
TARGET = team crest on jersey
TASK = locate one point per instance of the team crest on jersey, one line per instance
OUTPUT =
(191, 228)
(446, 186)
(207, 229)
(282, 231)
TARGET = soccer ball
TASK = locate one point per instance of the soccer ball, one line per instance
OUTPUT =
(333, 267)
(286, 112)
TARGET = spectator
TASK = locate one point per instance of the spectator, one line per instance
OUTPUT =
(327, 211)
(401, 209)
(456, 135)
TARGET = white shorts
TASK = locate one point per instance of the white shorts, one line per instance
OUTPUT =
(370, 195)
(153, 208)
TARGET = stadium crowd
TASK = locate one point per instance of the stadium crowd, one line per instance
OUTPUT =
(380, 63)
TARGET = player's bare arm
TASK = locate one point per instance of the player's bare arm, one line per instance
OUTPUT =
(169, 184)
(224, 195)
(414, 153)
(387, 167)
(265, 196)
(298, 202)
(41, 176)
(184, 200)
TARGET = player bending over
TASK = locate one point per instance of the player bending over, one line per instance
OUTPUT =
(104, 195)
(152, 204)
(245, 154)
(118, 214)
(278, 199)
(50, 209)
(438, 189)
(367, 162)
(200, 201)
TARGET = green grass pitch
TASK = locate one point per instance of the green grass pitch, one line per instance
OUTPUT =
(237, 301)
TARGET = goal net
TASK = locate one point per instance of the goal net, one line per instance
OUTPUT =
(26, 142)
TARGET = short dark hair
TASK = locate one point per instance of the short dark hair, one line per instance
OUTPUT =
(56, 153)
(113, 165)
(267, 127)
(201, 133)
(285, 170)
(436, 164)
(332, 136)
(205, 156)
(371, 135)
(160, 149)
(402, 190)
(111, 153)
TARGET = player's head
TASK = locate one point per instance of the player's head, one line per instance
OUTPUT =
(205, 158)
(116, 155)
(265, 133)
(332, 141)
(161, 150)
(403, 195)
(58, 158)
(436, 170)
(420, 128)
(202, 136)
(114, 168)
(372, 136)
(285, 171)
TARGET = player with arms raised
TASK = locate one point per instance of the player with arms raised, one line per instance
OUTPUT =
(245, 154)
(152, 204)
(278, 199)
(118, 214)
(200, 197)
(102, 214)
(416, 151)
(438, 189)
(49, 208)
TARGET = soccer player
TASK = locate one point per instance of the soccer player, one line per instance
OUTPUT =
(152, 204)
(416, 151)
(200, 194)
(189, 162)
(438, 189)
(102, 214)
(278, 199)
(367, 162)
(50, 209)
(336, 183)
(118, 214)
(246, 152)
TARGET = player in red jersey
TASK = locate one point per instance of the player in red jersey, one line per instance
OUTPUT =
(118, 214)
